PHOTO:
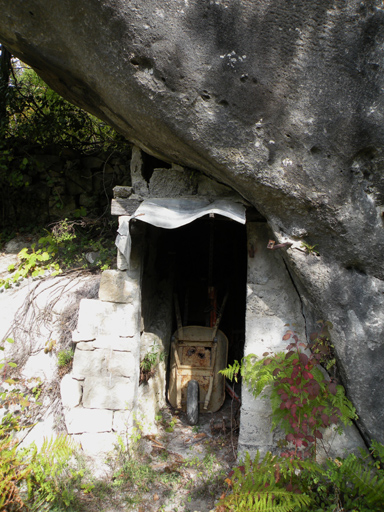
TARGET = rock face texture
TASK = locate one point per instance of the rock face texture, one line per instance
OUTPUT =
(282, 101)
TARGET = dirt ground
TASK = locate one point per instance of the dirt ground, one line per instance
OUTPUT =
(181, 469)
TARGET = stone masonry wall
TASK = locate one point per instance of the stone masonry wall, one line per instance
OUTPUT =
(99, 396)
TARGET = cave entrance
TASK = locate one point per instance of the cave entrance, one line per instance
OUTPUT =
(210, 263)
(199, 264)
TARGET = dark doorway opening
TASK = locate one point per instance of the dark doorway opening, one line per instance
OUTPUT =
(190, 261)
(208, 259)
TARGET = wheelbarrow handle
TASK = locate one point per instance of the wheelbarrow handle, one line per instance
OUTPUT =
(218, 320)
(178, 314)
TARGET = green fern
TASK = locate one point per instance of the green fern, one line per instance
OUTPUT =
(13, 472)
(258, 374)
(265, 485)
(360, 482)
(51, 478)
(277, 500)
(255, 372)
(232, 371)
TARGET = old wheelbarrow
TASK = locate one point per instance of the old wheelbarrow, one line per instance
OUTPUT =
(197, 356)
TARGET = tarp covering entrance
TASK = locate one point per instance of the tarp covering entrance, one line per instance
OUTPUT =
(171, 213)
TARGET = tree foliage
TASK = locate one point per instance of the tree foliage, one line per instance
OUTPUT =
(38, 115)
(35, 121)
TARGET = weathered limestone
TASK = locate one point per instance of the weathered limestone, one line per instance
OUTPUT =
(118, 287)
(81, 420)
(97, 444)
(116, 343)
(123, 421)
(70, 391)
(103, 384)
(40, 365)
(172, 183)
(276, 100)
(272, 303)
(97, 318)
(112, 392)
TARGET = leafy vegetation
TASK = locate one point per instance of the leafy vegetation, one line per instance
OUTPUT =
(303, 400)
(52, 478)
(36, 114)
(38, 129)
(268, 483)
(64, 247)
(29, 478)
(309, 249)
(304, 403)
(64, 357)
(149, 362)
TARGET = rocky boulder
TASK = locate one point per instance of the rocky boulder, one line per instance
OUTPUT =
(282, 101)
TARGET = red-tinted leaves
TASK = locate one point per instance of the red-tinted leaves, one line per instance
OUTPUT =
(334, 419)
(313, 388)
(303, 359)
(304, 402)
(325, 420)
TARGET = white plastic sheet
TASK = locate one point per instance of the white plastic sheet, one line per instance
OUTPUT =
(171, 213)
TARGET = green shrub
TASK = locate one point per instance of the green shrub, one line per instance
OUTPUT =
(64, 357)
(303, 403)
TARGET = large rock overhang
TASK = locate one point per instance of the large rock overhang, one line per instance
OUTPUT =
(281, 101)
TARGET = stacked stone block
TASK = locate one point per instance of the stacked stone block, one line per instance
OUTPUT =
(99, 396)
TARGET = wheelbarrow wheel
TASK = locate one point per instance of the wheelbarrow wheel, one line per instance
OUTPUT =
(193, 402)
